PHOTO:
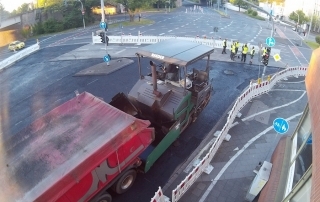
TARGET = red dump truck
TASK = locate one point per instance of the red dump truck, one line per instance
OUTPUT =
(74, 153)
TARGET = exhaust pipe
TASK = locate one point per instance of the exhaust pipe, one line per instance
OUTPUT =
(154, 79)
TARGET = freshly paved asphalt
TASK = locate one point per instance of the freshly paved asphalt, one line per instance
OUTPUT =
(40, 82)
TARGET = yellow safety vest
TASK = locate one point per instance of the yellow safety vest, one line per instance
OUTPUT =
(237, 44)
(233, 48)
(245, 50)
(252, 52)
(224, 43)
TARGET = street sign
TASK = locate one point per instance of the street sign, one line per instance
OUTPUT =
(277, 57)
(107, 58)
(103, 25)
(270, 41)
(280, 125)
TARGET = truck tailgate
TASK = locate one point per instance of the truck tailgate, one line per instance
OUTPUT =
(57, 150)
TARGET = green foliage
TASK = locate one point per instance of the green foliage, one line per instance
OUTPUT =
(318, 39)
(302, 17)
(26, 32)
(38, 29)
(50, 26)
(254, 13)
(249, 11)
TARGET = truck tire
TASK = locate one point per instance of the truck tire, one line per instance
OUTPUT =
(104, 198)
(125, 182)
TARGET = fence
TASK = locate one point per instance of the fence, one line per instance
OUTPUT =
(141, 39)
(159, 197)
(19, 55)
(254, 90)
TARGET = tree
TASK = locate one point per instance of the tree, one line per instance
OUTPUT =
(134, 6)
(239, 3)
(299, 15)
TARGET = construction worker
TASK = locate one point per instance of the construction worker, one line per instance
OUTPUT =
(252, 54)
(244, 53)
(237, 48)
(233, 51)
(224, 47)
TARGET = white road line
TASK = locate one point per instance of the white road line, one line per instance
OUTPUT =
(83, 49)
(285, 105)
(132, 47)
(120, 51)
(161, 34)
(170, 31)
(206, 193)
(92, 81)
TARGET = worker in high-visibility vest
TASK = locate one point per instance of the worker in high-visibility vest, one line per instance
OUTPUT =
(224, 46)
(252, 54)
(237, 47)
(244, 53)
(233, 51)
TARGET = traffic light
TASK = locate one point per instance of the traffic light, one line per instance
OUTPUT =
(265, 57)
(102, 37)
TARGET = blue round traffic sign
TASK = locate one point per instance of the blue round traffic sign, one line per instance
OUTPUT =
(107, 58)
(280, 125)
(103, 25)
(270, 41)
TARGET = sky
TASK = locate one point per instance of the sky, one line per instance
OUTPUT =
(10, 5)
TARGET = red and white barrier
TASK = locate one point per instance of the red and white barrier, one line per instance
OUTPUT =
(159, 197)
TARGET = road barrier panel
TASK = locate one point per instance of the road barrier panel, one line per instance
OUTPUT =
(19, 55)
(159, 197)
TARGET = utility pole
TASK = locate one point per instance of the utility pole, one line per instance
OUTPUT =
(82, 12)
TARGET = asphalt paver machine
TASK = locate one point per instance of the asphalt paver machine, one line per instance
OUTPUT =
(172, 93)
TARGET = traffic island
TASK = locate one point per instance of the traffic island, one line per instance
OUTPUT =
(104, 69)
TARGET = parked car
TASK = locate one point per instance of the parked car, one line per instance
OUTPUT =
(16, 45)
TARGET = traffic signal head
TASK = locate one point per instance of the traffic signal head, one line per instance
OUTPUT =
(102, 37)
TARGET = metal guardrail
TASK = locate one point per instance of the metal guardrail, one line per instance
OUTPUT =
(19, 55)
(254, 90)
(139, 39)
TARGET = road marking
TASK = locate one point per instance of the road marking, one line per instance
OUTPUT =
(270, 109)
(120, 51)
(132, 29)
(83, 49)
(252, 140)
(161, 34)
(132, 47)
(92, 81)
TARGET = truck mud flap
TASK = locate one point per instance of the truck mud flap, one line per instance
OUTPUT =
(122, 102)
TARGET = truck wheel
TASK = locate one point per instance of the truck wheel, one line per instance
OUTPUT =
(125, 182)
(104, 198)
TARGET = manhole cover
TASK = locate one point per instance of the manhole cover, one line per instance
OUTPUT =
(228, 72)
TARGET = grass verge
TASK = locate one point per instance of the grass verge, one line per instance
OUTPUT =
(256, 17)
(313, 45)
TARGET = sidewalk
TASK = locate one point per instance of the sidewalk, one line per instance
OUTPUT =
(253, 140)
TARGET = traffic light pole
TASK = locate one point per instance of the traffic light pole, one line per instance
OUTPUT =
(272, 31)
(103, 19)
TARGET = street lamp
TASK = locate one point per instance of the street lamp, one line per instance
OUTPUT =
(82, 11)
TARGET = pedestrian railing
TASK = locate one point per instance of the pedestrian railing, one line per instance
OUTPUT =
(19, 55)
(254, 89)
(142, 39)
